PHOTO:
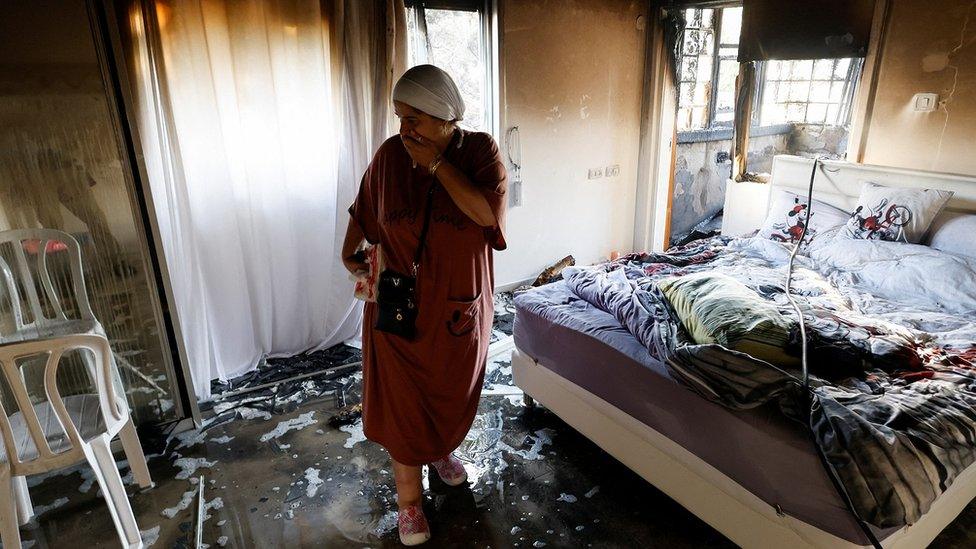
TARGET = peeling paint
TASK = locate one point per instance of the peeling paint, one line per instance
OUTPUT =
(935, 62)
(554, 114)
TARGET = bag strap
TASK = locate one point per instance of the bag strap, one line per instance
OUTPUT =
(424, 229)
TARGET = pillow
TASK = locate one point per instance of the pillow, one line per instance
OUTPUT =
(893, 213)
(910, 274)
(718, 309)
(787, 213)
(955, 233)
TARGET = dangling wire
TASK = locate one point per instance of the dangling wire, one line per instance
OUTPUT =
(806, 394)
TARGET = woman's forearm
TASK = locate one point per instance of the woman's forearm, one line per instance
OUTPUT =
(354, 238)
(465, 195)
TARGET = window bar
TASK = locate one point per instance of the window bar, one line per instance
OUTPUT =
(716, 67)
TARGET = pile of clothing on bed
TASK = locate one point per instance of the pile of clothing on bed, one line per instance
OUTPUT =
(891, 330)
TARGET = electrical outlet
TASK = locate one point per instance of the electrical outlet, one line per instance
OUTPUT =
(612, 171)
(515, 194)
(594, 173)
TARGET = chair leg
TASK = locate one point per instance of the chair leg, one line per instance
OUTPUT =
(135, 455)
(9, 529)
(98, 451)
(25, 509)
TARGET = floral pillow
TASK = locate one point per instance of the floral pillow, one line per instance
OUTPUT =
(788, 212)
(893, 213)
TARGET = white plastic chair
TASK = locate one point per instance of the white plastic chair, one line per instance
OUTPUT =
(60, 432)
(55, 321)
(34, 292)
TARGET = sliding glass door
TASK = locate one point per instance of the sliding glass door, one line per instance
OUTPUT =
(63, 166)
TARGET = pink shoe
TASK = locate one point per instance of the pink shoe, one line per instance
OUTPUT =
(413, 525)
(451, 470)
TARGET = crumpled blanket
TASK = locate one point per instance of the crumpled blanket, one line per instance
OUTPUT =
(892, 400)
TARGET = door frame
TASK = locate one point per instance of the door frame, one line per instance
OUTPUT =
(104, 28)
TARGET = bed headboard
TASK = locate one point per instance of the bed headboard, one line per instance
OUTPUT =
(839, 183)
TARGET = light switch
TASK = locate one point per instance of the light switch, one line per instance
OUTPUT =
(925, 102)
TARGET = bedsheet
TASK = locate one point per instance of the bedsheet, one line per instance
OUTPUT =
(892, 395)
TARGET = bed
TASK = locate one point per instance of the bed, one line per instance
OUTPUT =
(752, 474)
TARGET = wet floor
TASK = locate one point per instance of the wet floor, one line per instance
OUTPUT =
(279, 475)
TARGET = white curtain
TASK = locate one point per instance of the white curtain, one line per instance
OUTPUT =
(257, 119)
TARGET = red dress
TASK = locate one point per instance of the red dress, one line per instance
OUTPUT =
(420, 395)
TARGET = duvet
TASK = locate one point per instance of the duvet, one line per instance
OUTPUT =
(892, 396)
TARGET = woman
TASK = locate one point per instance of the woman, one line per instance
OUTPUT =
(420, 394)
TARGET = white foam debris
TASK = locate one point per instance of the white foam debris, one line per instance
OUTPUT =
(515, 530)
(525, 498)
(189, 466)
(294, 424)
(592, 492)
(215, 503)
(88, 476)
(183, 505)
(355, 434)
(314, 481)
(189, 438)
(541, 438)
(222, 541)
(41, 509)
(150, 536)
(386, 523)
(568, 498)
(538, 544)
(222, 440)
(251, 413)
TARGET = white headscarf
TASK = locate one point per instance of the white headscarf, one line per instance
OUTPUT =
(431, 90)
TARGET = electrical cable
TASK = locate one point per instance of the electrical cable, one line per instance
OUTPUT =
(806, 395)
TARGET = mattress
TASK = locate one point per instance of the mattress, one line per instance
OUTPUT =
(759, 449)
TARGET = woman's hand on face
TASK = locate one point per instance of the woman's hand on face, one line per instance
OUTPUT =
(421, 150)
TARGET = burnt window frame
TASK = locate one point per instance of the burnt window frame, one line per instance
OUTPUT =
(717, 130)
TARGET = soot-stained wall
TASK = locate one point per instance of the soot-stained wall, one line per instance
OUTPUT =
(573, 74)
(700, 177)
(928, 47)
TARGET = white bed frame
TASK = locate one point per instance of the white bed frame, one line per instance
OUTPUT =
(702, 489)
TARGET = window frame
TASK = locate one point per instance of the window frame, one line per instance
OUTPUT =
(717, 130)
(487, 11)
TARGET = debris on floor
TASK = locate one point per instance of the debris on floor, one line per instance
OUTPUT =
(278, 474)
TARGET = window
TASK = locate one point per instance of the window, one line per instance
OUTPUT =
(808, 91)
(454, 35)
(708, 68)
(813, 91)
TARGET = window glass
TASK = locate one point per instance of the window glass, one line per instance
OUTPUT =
(708, 69)
(817, 91)
(61, 168)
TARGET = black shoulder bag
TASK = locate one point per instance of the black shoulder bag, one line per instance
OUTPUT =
(396, 297)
